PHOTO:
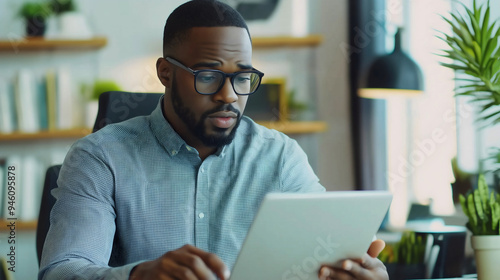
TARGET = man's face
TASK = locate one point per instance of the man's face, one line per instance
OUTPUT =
(221, 132)
(209, 119)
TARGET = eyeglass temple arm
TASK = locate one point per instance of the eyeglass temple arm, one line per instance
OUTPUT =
(177, 63)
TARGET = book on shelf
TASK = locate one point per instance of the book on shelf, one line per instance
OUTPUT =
(51, 91)
(7, 114)
(29, 193)
(3, 183)
(42, 105)
(24, 202)
(26, 102)
(65, 99)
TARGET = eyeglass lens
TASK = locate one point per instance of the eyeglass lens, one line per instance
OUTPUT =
(208, 82)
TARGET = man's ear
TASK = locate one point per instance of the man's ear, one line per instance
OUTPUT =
(164, 71)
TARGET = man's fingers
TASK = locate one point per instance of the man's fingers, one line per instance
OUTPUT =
(366, 268)
(357, 270)
(329, 273)
(212, 261)
(370, 262)
(376, 247)
(187, 266)
(182, 272)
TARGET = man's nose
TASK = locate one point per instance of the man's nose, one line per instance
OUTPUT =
(226, 94)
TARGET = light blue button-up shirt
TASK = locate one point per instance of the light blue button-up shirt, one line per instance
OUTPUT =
(135, 190)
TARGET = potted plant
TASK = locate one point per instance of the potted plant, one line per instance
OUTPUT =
(35, 15)
(482, 208)
(71, 23)
(405, 259)
(92, 94)
(62, 6)
(475, 52)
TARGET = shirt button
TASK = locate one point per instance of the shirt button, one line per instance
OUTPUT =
(202, 170)
(201, 215)
(174, 152)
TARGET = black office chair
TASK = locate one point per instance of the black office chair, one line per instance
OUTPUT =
(114, 107)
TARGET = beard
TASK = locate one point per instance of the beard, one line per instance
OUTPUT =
(220, 136)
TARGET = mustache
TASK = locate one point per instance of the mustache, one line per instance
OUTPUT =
(222, 108)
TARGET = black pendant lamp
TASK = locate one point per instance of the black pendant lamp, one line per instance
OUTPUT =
(395, 74)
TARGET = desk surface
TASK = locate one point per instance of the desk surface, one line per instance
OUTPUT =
(467, 277)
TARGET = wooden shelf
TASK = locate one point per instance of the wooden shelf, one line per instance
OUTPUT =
(39, 43)
(20, 225)
(279, 42)
(289, 127)
(50, 44)
(56, 134)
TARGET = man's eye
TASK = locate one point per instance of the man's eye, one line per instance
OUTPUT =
(242, 78)
(207, 78)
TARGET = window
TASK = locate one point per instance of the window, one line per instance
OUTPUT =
(422, 130)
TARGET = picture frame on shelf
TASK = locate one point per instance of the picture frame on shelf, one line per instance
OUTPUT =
(268, 18)
(269, 102)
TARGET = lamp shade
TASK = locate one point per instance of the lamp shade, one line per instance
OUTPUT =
(395, 74)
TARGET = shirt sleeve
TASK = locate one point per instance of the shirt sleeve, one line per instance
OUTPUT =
(82, 222)
(296, 173)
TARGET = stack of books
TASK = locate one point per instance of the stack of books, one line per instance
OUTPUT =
(30, 104)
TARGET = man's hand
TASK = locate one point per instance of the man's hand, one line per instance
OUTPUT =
(187, 262)
(366, 268)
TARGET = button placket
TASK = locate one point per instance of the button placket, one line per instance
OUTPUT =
(202, 205)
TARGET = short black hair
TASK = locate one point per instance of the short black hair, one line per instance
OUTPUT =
(198, 13)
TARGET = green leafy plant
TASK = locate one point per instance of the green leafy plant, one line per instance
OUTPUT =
(494, 157)
(30, 10)
(409, 250)
(101, 86)
(62, 6)
(482, 208)
(475, 52)
(295, 107)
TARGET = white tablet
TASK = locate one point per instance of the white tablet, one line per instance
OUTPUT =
(293, 234)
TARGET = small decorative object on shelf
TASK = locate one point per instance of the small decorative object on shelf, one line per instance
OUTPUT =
(35, 14)
(71, 23)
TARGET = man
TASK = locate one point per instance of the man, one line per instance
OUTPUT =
(172, 195)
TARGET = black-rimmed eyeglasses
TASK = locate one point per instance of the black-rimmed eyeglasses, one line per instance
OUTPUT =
(210, 81)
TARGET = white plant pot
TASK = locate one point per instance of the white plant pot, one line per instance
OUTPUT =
(73, 25)
(487, 254)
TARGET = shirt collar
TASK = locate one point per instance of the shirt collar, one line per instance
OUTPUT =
(166, 135)
(163, 131)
